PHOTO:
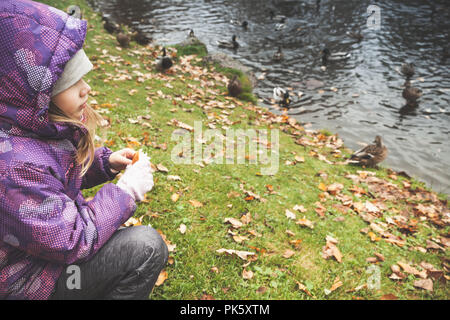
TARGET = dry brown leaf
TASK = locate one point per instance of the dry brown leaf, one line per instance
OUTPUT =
(161, 278)
(336, 284)
(389, 296)
(234, 222)
(426, 284)
(196, 203)
(161, 168)
(300, 208)
(288, 253)
(241, 254)
(305, 223)
(247, 274)
(303, 288)
(411, 270)
(330, 250)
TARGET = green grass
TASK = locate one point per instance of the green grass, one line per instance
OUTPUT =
(190, 276)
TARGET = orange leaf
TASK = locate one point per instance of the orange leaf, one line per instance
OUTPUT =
(161, 278)
(196, 203)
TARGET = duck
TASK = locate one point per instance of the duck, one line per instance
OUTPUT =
(233, 44)
(408, 70)
(280, 26)
(234, 87)
(411, 94)
(164, 63)
(371, 154)
(123, 39)
(243, 24)
(355, 35)
(278, 56)
(276, 17)
(74, 11)
(141, 37)
(281, 96)
(335, 56)
(110, 26)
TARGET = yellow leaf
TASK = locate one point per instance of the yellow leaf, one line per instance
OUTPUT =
(322, 186)
(175, 197)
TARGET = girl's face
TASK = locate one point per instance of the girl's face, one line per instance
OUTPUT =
(72, 101)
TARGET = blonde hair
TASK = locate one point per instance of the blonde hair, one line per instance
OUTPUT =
(86, 147)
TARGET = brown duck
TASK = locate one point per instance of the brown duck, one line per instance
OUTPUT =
(234, 87)
(408, 70)
(411, 94)
(123, 39)
(370, 155)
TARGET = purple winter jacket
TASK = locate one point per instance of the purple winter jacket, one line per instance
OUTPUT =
(45, 223)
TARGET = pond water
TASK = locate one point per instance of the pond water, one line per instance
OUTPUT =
(357, 98)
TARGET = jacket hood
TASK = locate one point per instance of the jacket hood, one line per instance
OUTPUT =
(36, 42)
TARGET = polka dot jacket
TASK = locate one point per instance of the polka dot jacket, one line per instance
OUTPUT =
(45, 223)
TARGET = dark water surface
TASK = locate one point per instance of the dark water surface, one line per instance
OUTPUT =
(359, 98)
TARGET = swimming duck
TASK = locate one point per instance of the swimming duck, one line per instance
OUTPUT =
(243, 24)
(74, 11)
(355, 35)
(123, 39)
(278, 56)
(411, 94)
(141, 38)
(408, 70)
(371, 154)
(234, 87)
(280, 26)
(335, 56)
(233, 44)
(109, 25)
(164, 63)
(281, 96)
(277, 18)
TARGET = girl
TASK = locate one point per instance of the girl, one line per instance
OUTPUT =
(53, 243)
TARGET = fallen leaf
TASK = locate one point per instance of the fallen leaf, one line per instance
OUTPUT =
(161, 278)
(305, 222)
(322, 186)
(411, 270)
(182, 228)
(234, 222)
(173, 178)
(336, 284)
(241, 254)
(288, 253)
(389, 296)
(175, 197)
(290, 214)
(261, 290)
(303, 288)
(196, 203)
(300, 208)
(247, 274)
(426, 284)
(161, 168)
(330, 250)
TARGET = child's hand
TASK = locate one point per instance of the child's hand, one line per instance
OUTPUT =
(119, 160)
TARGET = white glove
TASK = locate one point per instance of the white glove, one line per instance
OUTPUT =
(137, 179)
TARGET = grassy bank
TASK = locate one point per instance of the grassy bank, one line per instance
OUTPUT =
(316, 229)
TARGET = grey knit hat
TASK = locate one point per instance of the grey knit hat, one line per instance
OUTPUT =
(74, 70)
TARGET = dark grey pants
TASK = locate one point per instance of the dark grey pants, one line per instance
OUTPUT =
(125, 268)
